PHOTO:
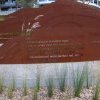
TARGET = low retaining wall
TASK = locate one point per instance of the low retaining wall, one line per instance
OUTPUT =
(20, 71)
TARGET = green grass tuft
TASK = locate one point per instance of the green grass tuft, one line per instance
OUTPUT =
(13, 83)
(24, 87)
(10, 92)
(96, 95)
(78, 81)
(1, 83)
(38, 82)
(36, 88)
(50, 86)
(62, 79)
(11, 87)
(88, 77)
(34, 96)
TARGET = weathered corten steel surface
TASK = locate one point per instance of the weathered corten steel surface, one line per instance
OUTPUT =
(64, 31)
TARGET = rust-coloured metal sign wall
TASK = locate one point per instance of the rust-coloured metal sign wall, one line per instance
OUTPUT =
(64, 31)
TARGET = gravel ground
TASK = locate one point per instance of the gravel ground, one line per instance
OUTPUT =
(86, 94)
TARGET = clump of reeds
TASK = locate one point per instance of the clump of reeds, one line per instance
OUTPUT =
(50, 86)
(34, 96)
(62, 78)
(9, 91)
(36, 88)
(24, 87)
(37, 82)
(11, 87)
(96, 95)
(13, 83)
(78, 81)
(1, 83)
(88, 77)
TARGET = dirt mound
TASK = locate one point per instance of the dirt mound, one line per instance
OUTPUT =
(59, 32)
